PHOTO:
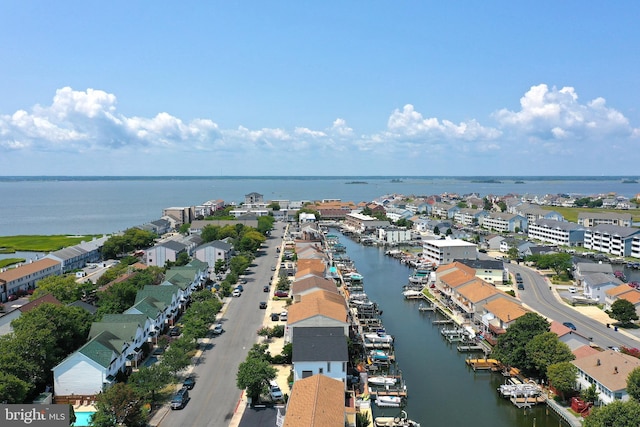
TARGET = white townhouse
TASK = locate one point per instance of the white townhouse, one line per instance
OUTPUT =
(160, 254)
(25, 276)
(393, 235)
(611, 239)
(502, 221)
(213, 252)
(444, 210)
(467, 216)
(560, 233)
(360, 222)
(608, 370)
(445, 251)
(77, 256)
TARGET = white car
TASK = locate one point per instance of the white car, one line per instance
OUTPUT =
(236, 293)
(217, 329)
(274, 390)
(573, 290)
(283, 316)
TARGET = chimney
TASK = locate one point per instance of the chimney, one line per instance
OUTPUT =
(598, 362)
(615, 369)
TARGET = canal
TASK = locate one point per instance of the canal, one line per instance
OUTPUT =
(442, 390)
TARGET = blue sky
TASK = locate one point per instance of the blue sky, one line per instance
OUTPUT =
(319, 88)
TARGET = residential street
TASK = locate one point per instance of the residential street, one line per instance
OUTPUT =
(215, 397)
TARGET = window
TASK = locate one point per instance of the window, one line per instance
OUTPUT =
(328, 366)
(320, 371)
(306, 374)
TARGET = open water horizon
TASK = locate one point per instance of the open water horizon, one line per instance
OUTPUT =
(105, 205)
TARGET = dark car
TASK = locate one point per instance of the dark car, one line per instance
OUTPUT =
(240, 288)
(180, 399)
(281, 294)
(263, 305)
(570, 325)
(265, 288)
(175, 331)
(521, 286)
(275, 316)
(189, 383)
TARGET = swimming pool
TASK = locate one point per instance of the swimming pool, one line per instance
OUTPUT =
(82, 419)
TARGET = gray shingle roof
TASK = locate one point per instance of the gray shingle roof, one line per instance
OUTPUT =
(319, 344)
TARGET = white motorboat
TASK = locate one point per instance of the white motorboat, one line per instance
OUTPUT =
(411, 293)
(398, 421)
(381, 380)
(379, 337)
(389, 401)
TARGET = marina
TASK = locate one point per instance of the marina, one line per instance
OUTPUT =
(432, 369)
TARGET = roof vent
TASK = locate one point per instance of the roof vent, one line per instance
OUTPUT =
(598, 362)
(615, 369)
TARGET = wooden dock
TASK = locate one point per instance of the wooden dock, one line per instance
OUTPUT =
(471, 348)
(484, 364)
(442, 322)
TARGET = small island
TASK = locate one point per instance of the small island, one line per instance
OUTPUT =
(487, 181)
(629, 181)
(356, 182)
(519, 182)
(396, 180)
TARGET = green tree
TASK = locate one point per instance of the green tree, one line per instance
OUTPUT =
(184, 229)
(546, 349)
(462, 204)
(148, 380)
(436, 230)
(274, 206)
(560, 262)
(623, 311)
(12, 388)
(253, 376)
(448, 232)
(511, 346)
(617, 413)
(589, 394)
(502, 205)
(67, 326)
(513, 252)
(265, 224)
(210, 233)
(116, 298)
(633, 384)
(182, 259)
(487, 205)
(239, 264)
(220, 266)
(64, 288)
(175, 360)
(562, 376)
(119, 405)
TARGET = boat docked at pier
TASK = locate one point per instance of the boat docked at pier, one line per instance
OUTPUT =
(384, 401)
(382, 380)
(379, 337)
(400, 420)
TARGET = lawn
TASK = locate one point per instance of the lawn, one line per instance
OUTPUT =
(571, 214)
(37, 243)
(10, 261)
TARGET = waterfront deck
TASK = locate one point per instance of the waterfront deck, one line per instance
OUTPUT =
(484, 364)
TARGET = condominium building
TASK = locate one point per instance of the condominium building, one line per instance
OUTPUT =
(557, 232)
(445, 251)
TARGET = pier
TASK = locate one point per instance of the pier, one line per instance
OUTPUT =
(484, 364)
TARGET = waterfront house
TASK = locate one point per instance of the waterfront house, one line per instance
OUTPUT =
(445, 251)
(609, 371)
(489, 270)
(393, 235)
(613, 239)
(158, 227)
(444, 210)
(497, 316)
(318, 401)
(494, 241)
(467, 216)
(160, 254)
(320, 350)
(470, 297)
(24, 277)
(325, 295)
(311, 284)
(622, 291)
(582, 269)
(316, 312)
(361, 223)
(595, 285)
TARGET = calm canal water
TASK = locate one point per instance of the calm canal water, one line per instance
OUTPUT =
(442, 390)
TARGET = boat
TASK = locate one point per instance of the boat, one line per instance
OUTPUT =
(412, 293)
(379, 337)
(379, 355)
(389, 401)
(380, 380)
(400, 420)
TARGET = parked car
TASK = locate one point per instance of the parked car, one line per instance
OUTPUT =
(573, 290)
(265, 288)
(273, 268)
(180, 399)
(275, 317)
(281, 294)
(217, 329)
(263, 305)
(189, 383)
(521, 286)
(175, 331)
(274, 390)
(240, 288)
(283, 316)
(236, 293)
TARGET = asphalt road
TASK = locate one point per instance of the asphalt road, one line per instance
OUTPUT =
(215, 396)
(539, 297)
